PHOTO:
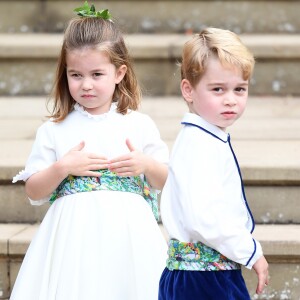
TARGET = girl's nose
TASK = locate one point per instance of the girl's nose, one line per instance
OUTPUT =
(87, 85)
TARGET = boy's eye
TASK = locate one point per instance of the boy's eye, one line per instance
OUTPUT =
(241, 89)
(217, 89)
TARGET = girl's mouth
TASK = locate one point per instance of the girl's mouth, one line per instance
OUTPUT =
(87, 96)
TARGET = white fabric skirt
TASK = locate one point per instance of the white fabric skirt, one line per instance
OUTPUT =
(94, 245)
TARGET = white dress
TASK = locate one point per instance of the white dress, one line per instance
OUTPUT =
(100, 244)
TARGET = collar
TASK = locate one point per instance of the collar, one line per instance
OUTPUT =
(215, 131)
(81, 110)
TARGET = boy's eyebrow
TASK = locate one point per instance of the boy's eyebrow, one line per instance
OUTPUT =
(244, 83)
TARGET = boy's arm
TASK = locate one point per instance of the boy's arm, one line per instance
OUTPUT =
(261, 268)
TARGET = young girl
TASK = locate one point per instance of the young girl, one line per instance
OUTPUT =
(100, 163)
(204, 207)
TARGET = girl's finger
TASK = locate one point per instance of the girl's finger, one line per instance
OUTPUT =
(129, 145)
(96, 156)
(79, 147)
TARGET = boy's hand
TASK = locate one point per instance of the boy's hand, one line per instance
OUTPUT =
(261, 269)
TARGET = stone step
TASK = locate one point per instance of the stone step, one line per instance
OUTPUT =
(28, 62)
(266, 140)
(281, 245)
(156, 16)
(265, 118)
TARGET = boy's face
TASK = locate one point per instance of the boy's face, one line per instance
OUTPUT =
(220, 96)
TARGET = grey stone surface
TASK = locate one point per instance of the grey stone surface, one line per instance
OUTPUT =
(15, 207)
(274, 204)
(158, 15)
(4, 278)
(18, 244)
(284, 282)
(7, 231)
(28, 62)
(14, 267)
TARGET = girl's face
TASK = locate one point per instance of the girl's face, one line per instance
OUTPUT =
(92, 79)
(220, 96)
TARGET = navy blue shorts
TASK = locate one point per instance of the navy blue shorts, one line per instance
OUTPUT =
(202, 285)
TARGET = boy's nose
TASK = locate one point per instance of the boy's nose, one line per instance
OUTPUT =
(230, 100)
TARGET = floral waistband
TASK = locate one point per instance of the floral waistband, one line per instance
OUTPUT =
(197, 257)
(108, 181)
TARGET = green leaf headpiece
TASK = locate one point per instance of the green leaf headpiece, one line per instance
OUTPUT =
(90, 11)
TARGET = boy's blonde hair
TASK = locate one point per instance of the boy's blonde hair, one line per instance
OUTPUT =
(104, 35)
(220, 43)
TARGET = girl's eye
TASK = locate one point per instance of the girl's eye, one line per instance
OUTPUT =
(97, 74)
(75, 75)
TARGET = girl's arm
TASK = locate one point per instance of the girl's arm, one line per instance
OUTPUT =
(43, 183)
(135, 163)
(156, 173)
(75, 162)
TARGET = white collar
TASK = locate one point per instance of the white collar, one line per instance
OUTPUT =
(196, 120)
(81, 110)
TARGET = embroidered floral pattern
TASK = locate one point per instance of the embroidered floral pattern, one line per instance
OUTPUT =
(108, 181)
(197, 257)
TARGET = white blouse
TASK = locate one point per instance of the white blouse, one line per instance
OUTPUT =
(203, 199)
(103, 134)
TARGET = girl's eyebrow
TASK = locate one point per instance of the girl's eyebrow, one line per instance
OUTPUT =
(91, 71)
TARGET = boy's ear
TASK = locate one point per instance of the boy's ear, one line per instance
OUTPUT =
(120, 73)
(186, 90)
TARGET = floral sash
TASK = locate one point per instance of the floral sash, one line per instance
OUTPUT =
(197, 257)
(108, 181)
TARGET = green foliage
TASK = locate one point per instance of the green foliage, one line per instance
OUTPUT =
(90, 11)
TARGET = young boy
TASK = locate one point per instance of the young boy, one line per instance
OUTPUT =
(203, 204)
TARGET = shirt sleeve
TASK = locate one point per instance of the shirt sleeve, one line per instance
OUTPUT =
(205, 210)
(153, 145)
(42, 156)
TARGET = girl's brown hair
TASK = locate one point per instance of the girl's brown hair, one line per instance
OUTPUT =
(104, 35)
(223, 44)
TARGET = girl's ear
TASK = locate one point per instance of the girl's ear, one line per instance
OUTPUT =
(187, 90)
(120, 73)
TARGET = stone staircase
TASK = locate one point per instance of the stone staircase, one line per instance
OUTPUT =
(266, 139)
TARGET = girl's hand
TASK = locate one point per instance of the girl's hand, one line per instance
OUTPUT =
(79, 163)
(131, 164)
(261, 269)
(136, 163)
(76, 162)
